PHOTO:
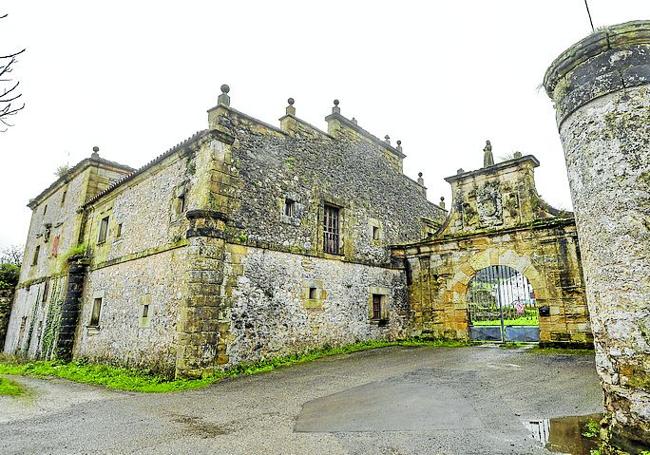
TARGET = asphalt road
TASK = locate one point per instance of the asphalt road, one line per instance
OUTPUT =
(473, 400)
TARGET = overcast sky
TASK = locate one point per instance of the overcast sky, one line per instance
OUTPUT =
(137, 77)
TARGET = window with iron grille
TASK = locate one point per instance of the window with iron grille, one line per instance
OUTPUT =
(331, 236)
(289, 207)
(376, 306)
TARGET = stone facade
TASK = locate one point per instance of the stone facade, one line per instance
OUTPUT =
(215, 252)
(55, 232)
(248, 241)
(498, 219)
(601, 91)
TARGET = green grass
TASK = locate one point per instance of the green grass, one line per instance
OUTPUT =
(518, 321)
(10, 388)
(118, 378)
(556, 351)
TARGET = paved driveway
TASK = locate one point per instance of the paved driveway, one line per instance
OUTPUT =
(472, 400)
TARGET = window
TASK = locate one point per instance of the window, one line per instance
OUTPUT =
(375, 233)
(180, 204)
(45, 209)
(47, 232)
(97, 309)
(46, 289)
(145, 311)
(36, 253)
(376, 306)
(65, 193)
(103, 230)
(118, 234)
(312, 293)
(290, 207)
(331, 229)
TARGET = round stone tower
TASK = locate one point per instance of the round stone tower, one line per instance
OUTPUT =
(601, 90)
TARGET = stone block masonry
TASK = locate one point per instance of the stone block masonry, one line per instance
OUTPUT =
(248, 241)
(600, 87)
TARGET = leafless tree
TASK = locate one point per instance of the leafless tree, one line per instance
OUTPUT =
(13, 254)
(10, 102)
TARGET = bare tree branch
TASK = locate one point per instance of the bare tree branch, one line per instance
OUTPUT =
(8, 95)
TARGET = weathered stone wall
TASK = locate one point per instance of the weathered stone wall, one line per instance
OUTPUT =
(547, 256)
(123, 336)
(267, 295)
(55, 230)
(600, 87)
(498, 218)
(312, 167)
(142, 261)
(6, 301)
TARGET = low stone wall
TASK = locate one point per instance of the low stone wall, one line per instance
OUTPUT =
(6, 301)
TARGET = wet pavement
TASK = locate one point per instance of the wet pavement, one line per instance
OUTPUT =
(398, 401)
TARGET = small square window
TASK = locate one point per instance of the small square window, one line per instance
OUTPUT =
(145, 311)
(375, 233)
(118, 232)
(97, 309)
(103, 230)
(290, 207)
(313, 293)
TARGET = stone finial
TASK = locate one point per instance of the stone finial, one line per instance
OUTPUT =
(353, 120)
(95, 154)
(224, 98)
(460, 171)
(387, 138)
(420, 179)
(399, 146)
(488, 158)
(290, 109)
(336, 109)
(517, 155)
(441, 204)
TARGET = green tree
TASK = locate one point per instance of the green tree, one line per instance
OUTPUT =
(10, 260)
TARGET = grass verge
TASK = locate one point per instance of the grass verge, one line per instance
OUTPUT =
(560, 351)
(10, 388)
(125, 379)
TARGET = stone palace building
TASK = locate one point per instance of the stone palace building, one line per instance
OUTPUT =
(248, 241)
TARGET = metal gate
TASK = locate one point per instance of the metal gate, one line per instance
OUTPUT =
(501, 305)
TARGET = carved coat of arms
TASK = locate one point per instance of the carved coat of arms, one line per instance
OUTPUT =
(488, 202)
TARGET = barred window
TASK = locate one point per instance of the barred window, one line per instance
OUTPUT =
(376, 306)
(331, 226)
(289, 207)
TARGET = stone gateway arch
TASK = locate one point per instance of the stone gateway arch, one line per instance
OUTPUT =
(498, 219)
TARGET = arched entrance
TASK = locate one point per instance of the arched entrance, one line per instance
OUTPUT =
(501, 306)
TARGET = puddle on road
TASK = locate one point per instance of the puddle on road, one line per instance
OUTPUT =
(565, 434)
